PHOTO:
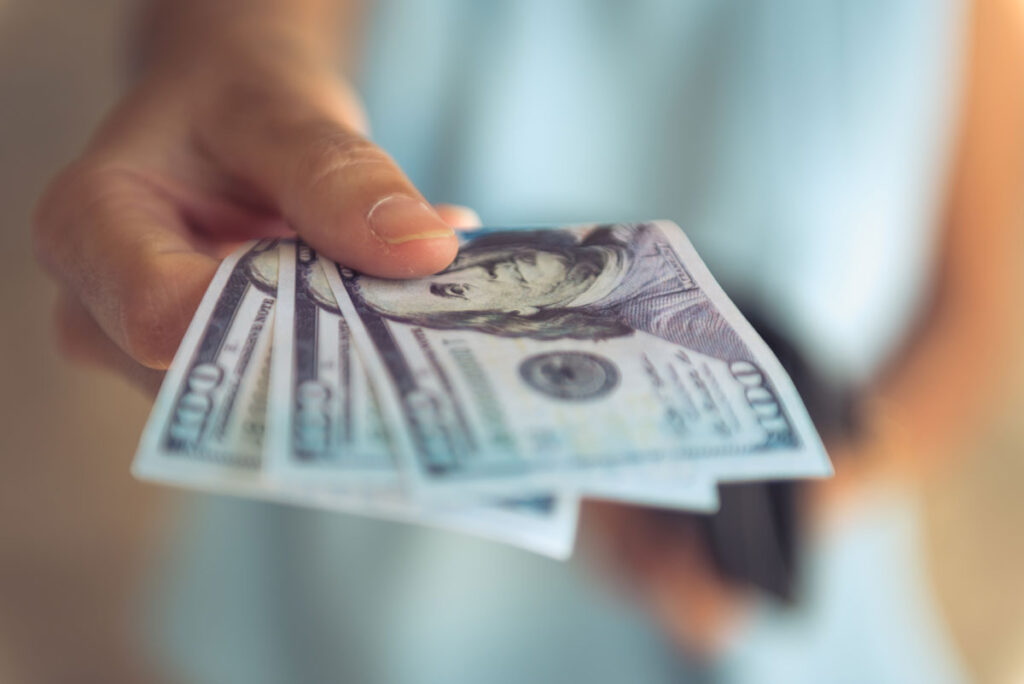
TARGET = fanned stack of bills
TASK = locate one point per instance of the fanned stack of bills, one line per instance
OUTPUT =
(542, 366)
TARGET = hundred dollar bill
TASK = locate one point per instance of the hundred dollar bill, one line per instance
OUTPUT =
(323, 423)
(206, 429)
(206, 426)
(602, 355)
(324, 427)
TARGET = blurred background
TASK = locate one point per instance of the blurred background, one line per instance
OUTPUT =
(76, 530)
(79, 538)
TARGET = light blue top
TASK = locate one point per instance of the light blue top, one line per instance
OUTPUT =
(802, 145)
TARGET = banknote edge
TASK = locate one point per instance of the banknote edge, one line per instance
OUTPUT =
(148, 455)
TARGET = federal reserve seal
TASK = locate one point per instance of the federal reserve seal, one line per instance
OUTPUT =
(570, 375)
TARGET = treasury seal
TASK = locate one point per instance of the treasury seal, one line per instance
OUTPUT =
(570, 375)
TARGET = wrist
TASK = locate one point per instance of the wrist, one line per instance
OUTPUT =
(191, 35)
(243, 50)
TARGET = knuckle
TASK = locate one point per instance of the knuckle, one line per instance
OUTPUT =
(101, 192)
(147, 325)
(80, 193)
(330, 155)
(144, 333)
(158, 302)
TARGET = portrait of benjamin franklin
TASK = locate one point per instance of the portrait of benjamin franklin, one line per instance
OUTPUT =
(559, 284)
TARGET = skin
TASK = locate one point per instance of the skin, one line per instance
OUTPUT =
(238, 127)
(222, 140)
(955, 370)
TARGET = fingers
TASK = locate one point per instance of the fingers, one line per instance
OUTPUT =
(458, 216)
(127, 256)
(81, 340)
(340, 192)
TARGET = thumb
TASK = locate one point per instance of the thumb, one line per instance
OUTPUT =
(344, 195)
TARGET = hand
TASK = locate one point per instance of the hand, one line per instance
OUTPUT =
(198, 159)
(661, 560)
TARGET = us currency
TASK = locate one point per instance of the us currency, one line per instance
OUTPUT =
(206, 429)
(206, 426)
(325, 429)
(323, 424)
(604, 356)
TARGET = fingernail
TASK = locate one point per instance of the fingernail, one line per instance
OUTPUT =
(399, 218)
